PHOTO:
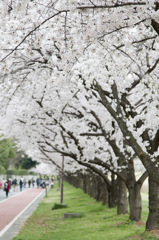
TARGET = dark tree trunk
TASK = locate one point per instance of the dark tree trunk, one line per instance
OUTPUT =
(135, 202)
(93, 186)
(102, 191)
(80, 177)
(112, 193)
(153, 217)
(112, 199)
(85, 183)
(122, 204)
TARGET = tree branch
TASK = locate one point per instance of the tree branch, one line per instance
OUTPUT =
(42, 23)
(116, 5)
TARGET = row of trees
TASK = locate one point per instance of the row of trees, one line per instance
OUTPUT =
(81, 80)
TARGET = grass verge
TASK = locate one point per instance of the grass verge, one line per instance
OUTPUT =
(98, 222)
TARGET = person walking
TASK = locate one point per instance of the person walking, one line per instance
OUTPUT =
(21, 184)
(29, 183)
(33, 182)
(52, 183)
(7, 187)
(3, 182)
(1, 185)
(38, 182)
(24, 183)
(14, 184)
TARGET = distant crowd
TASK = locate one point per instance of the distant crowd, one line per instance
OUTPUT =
(14, 185)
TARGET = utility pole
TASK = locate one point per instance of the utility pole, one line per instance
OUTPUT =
(62, 174)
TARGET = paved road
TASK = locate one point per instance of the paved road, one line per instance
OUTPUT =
(11, 194)
(15, 209)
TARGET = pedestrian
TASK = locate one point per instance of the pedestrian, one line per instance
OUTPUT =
(52, 183)
(44, 184)
(38, 182)
(14, 184)
(6, 187)
(1, 185)
(29, 183)
(21, 184)
(33, 182)
(24, 183)
(3, 182)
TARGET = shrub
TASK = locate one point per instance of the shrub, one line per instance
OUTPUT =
(58, 206)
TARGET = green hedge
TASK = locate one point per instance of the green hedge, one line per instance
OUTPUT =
(17, 172)
(33, 173)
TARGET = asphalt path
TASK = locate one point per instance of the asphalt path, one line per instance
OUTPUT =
(15, 209)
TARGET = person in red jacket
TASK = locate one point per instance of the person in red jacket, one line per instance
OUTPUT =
(7, 186)
(0, 184)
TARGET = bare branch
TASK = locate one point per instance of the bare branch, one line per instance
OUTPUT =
(153, 67)
(116, 5)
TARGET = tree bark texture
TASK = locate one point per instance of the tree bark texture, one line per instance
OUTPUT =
(113, 193)
(153, 217)
(122, 204)
(135, 202)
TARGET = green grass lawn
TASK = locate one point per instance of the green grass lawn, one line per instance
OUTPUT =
(98, 222)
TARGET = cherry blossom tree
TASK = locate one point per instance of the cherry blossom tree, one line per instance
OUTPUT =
(76, 140)
(130, 108)
(44, 45)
